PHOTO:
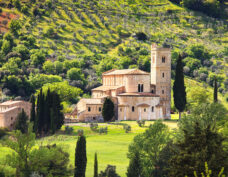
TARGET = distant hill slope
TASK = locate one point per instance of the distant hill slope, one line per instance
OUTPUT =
(105, 34)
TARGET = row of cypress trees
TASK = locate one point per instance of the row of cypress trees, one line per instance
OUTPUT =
(46, 113)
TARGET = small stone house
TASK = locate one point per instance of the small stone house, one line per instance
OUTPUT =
(9, 111)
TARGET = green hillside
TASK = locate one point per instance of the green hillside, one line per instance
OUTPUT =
(78, 40)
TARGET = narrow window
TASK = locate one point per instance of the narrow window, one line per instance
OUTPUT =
(142, 88)
(99, 109)
(163, 59)
(89, 109)
(138, 87)
(120, 109)
(163, 75)
(163, 91)
(133, 109)
(144, 109)
(152, 109)
(152, 91)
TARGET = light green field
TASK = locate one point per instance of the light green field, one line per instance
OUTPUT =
(111, 148)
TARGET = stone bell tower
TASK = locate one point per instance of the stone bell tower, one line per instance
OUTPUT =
(161, 76)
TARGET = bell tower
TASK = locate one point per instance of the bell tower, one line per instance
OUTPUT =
(161, 76)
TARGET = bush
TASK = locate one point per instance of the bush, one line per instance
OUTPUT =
(103, 130)
(110, 171)
(80, 132)
(127, 128)
(69, 130)
(93, 126)
(3, 132)
(141, 123)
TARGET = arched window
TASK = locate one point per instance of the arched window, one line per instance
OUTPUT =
(163, 59)
(152, 109)
(99, 109)
(163, 75)
(133, 109)
(89, 109)
(144, 109)
(163, 91)
(152, 91)
(120, 109)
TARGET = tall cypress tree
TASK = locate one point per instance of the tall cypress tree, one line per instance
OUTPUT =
(179, 92)
(21, 123)
(95, 166)
(80, 157)
(33, 109)
(108, 109)
(134, 169)
(40, 113)
(215, 90)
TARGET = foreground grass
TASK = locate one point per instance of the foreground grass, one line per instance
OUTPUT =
(111, 148)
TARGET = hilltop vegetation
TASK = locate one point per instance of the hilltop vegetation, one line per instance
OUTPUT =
(77, 40)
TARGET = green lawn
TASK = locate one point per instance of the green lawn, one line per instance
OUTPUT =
(111, 148)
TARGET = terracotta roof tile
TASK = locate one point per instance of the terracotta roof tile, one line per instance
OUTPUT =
(105, 88)
(125, 71)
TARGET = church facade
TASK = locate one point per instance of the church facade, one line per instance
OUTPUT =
(137, 95)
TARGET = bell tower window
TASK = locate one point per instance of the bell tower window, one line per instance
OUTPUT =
(163, 59)
(140, 87)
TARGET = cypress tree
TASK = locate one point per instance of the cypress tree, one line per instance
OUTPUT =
(215, 90)
(21, 123)
(33, 109)
(40, 113)
(134, 169)
(108, 109)
(80, 157)
(95, 166)
(179, 92)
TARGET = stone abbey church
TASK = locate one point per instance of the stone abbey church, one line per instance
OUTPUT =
(137, 95)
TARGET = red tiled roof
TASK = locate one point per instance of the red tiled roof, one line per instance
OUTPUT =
(125, 72)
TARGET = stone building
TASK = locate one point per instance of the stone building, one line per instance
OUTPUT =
(137, 95)
(9, 111)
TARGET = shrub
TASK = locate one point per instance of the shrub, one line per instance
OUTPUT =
(93, 126)
(103, 130)
(141, 123)
(127, 128)
(80, 132)
(3, 132)
(109, 171)
(69, 130)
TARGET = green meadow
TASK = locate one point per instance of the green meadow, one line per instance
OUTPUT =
(111, 148)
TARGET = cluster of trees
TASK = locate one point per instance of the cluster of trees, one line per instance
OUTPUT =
(160, 152)
(46, 114)
(214, 8)
(28, 160)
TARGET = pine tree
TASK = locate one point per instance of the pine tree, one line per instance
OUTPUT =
(95, 166)
(108, 109)
(204, 145)
(134, 169)
(179, 92)
(21, 123)
(80, 157)
(215, 90)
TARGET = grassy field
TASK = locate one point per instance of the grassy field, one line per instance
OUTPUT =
(111, 148)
